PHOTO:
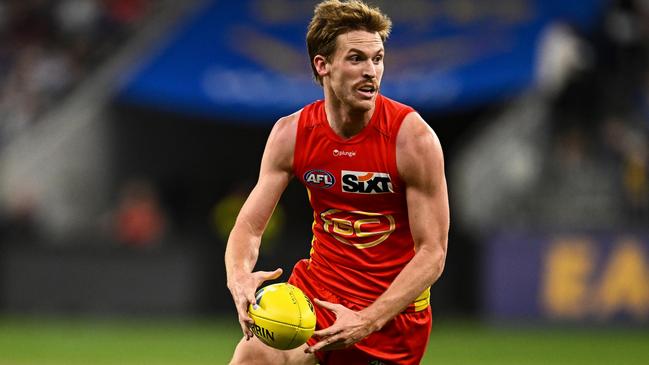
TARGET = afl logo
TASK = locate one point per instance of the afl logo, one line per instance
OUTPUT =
(319, 178)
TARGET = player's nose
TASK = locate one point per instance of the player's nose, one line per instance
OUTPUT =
(369, 71)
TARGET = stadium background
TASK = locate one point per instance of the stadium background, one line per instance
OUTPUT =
(131, 130)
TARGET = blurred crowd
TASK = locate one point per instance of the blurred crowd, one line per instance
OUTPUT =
(573, 153)
(597, 171)
(47, 47)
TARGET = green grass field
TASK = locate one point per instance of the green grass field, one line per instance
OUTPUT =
(25, 341)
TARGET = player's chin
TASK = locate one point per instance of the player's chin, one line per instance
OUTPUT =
(364, 104)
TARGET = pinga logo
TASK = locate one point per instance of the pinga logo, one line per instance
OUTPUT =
(319, 178)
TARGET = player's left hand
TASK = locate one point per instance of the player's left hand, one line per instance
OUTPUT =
(350, 327)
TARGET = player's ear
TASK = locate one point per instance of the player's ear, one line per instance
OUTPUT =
(321, 65)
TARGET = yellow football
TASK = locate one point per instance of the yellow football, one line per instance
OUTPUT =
(284, 317)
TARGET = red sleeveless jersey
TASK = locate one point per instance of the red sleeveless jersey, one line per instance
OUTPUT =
(361, 234)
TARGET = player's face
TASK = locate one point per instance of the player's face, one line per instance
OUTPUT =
(356, 69)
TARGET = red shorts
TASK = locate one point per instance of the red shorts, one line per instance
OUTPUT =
(401, 341)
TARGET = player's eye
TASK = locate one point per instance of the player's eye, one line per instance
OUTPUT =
(378, 59)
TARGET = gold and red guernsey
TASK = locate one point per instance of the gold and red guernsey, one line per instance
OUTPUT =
(361, 236)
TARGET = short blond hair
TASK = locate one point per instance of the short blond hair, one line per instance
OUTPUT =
(334, 17)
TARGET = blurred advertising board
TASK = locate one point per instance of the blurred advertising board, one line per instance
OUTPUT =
(247, 60)
(584, 278)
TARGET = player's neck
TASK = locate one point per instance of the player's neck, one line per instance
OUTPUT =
(345, 121)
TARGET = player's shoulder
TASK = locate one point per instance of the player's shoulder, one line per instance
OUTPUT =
(289, 120)
(280, 146)
(285, 128)
(420, 160)
(416, 139)
(415, 129)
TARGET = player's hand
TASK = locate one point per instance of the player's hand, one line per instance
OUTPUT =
(243, 288)
(350, 327)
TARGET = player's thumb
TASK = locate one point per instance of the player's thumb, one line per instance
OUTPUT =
(270, 275)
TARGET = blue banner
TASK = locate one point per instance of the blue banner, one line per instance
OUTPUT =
(578, 278)
(247, 60)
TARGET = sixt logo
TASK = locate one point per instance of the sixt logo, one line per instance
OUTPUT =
(366, 182)
(319, 178)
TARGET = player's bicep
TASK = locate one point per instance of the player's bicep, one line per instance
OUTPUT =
(261, 202)
(428, 217)
(421, 165)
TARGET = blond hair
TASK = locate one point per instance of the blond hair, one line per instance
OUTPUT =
(334, 17)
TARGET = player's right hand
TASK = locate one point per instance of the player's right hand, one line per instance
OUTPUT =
(243, 288)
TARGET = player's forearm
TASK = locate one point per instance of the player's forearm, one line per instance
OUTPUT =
(241, 252)
(420, 273)
(245, 238)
